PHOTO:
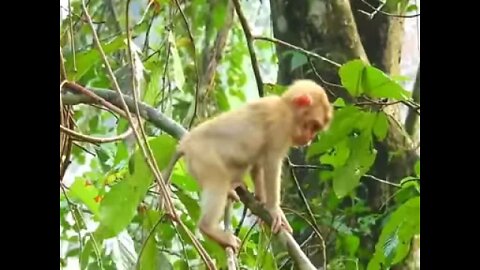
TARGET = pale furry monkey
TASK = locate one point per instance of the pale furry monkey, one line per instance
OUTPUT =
(252, 139)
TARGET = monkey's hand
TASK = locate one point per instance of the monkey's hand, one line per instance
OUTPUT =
(279, 220)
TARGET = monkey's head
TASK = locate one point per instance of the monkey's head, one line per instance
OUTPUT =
(312, 111)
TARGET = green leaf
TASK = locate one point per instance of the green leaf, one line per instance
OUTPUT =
(273, 89)
(394, 242)
(153, 86)
(339, 102)
(380, 127)
(103, 158)
(85, 192)
(118, 208)
(298, 59)
(343, 123)
(178, 74)
(350, 243)
(361, 158)
(120, 203)
(222, 100)
(412, 7)
(85, 256)
(339, 156)
(123, 251)
(192, 205)
(351, 74)
(378, 85)
(122, 153)
(86, 60)
(184, 180)
(359, 78)
(218, 14)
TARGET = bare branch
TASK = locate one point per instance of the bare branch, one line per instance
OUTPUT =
(249, 38)
(285, 238)
(310, 213)
(378, 9)
(291, 46)
(95, 139)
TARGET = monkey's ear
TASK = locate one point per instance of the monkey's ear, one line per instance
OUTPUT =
(303, 100)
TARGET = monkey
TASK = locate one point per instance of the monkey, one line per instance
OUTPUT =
(252, 139)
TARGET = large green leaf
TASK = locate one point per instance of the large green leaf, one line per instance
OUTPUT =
(359, 78)
(87, 59)
(361, 158)
(380, 128)
(178, 74)
(343, 123)
(394, 242)
(120, 203)
(83, 190)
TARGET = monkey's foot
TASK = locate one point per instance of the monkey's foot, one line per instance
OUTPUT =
(232, 194)
(232, 241)
(279, 220)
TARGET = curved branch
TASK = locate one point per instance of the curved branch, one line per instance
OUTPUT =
(95, 139)
(72, 97)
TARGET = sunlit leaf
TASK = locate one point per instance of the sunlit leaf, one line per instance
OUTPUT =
(178, 75)
(380, 127)
(394, 242)
(85, 191)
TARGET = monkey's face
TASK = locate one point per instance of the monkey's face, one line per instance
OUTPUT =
(310, 121)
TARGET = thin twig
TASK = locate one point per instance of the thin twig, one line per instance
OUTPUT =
(310, 212)
(92, 139)
(249, 37)
(328, 167)
(377, 9)
(78, 16)
(84, 149)
(312, 65)
(197, 76)
(63, 70)
(291, 46)
(381, 180)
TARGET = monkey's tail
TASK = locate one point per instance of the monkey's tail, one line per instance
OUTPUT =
(169, 169)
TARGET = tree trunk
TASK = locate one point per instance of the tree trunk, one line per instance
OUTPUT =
(337, 30)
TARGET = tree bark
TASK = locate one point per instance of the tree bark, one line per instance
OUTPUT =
(337, 30)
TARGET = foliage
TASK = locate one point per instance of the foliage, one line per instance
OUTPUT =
(109, 218)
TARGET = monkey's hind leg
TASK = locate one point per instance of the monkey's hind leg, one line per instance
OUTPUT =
(213, 202)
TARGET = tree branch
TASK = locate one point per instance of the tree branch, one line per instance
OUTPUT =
(95, 139)
(291, 46)
(285, 238)
(249, 38)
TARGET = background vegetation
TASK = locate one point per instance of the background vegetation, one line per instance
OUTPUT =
(353, 196)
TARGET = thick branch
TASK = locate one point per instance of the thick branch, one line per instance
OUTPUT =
(166, 124)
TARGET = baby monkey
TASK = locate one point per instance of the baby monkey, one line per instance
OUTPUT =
(253, 139)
